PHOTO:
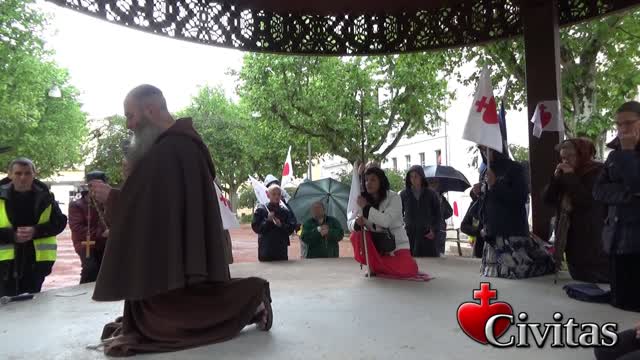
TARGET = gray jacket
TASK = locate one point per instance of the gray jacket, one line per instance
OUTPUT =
(618, 186)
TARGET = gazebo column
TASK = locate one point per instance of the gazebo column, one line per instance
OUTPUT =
(542, 52)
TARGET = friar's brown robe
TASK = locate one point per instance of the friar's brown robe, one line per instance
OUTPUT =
(165, 255)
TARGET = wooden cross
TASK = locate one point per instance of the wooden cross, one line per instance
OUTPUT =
(87, 249)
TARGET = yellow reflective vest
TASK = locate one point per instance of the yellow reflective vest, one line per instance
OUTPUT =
(46, 247)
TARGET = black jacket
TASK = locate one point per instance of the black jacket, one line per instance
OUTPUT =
(273, 240)
(618, 186)
(56, 225)
(421, 215)
(503, 206)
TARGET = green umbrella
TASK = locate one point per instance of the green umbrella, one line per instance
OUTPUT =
(333, 194)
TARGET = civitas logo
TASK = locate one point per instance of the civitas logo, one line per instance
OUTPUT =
(486, 322)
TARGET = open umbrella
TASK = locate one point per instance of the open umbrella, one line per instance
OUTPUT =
(449, 178)
(333, 194)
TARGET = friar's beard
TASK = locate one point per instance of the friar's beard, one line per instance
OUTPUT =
(141, 142)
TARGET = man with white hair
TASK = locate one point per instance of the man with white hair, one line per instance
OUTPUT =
(273, 223)
(165, 254)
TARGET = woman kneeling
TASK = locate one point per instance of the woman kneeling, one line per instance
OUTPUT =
(380, 215)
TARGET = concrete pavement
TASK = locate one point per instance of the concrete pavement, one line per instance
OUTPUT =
(324, 309)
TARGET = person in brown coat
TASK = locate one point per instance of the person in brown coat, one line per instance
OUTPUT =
(86, 220)
(165, 254)
(579, 218)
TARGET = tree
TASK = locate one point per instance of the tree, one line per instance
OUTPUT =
(325, 98)
(48, 130)
(241, 144)
(599, 62)
(519, 153)
(107, 140)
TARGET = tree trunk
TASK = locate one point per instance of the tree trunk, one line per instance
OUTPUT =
(233, 197)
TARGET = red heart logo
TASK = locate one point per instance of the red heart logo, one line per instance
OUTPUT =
(545, 116)
(286, 169)
(473, 317)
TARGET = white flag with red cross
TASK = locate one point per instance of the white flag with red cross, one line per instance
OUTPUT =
(229, 220)
(287, 170)
(483, 125)
(547, 117)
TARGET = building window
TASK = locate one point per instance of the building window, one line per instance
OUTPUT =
(408, 159)
(438, 157)
(421, 159)
(395, 163)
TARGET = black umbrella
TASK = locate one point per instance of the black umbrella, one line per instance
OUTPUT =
(449, 178)
(334, 195)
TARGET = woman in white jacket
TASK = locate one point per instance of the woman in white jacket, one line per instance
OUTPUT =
(381, 213)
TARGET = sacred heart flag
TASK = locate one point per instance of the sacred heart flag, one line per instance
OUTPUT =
(287, 170)
(547, 117)
(483, 126)
(229, 220)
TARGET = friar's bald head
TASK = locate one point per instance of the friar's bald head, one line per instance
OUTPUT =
(145, 109)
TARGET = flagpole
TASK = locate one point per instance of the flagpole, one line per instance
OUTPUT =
(364, 236)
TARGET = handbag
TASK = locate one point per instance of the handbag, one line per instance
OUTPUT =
(384, 242)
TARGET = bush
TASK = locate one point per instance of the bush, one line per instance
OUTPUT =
(246, 218)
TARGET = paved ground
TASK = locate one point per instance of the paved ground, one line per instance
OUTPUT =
(66, 271)
(324, 309)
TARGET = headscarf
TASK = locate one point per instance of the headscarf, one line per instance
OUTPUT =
(585, 154)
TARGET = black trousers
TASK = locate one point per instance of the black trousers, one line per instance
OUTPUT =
(30, 281)
(625, 281)
(627, 348)
(90, 267)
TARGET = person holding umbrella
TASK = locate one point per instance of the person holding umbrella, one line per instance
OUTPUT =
(321, 233)
(421, 212)
(446, 211)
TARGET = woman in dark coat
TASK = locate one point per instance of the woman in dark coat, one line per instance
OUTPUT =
(579, 218)
(509, 251)
(619, 187)
(421, 211)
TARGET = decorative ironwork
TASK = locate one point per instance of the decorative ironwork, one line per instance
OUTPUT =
(221, 23)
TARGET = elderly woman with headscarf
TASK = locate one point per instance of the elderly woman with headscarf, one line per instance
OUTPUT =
(579, 218)
(509, 251)
(421, 211)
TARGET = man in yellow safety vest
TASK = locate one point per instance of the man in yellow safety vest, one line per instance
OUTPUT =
(30, 219)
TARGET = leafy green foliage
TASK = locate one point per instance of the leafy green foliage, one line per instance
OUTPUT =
(599, 62)
(108, 154)
(50, 131)
(519, 153)
(324, 99)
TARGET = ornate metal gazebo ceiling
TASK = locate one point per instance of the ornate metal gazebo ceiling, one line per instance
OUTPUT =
(332, 27)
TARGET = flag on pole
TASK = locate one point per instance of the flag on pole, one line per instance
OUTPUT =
(229, 220)
(287, 170)
(352, 205)
(547, 117)
(262, 194)
(503, 129)
(260, 190)
(483, 126)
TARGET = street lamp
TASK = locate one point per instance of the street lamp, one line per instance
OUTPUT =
(55, 92)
